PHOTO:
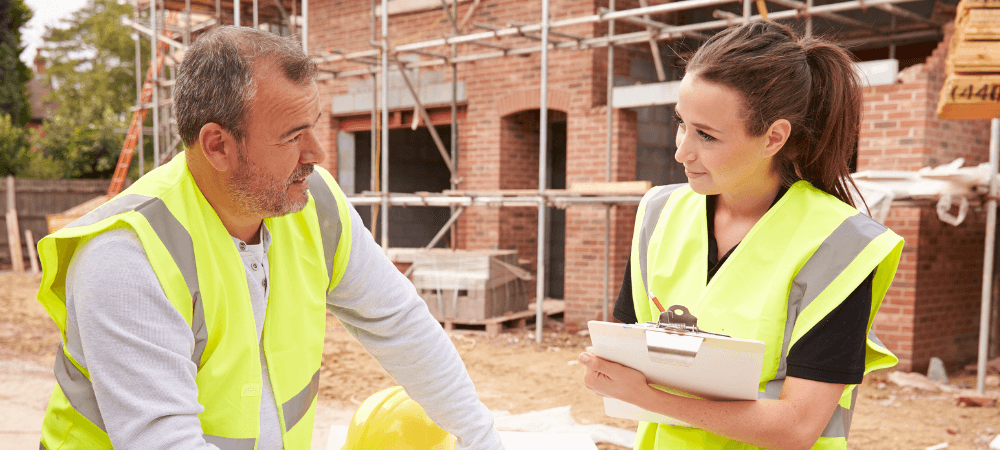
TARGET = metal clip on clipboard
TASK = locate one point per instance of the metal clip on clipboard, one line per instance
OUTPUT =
(675, 338)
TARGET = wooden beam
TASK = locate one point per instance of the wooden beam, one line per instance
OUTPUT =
(32, 255)
(13, 230)
(56, 221)
(611, 188)
(440, 115)
(654, 47)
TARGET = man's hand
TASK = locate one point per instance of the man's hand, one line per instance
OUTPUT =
(610, 379)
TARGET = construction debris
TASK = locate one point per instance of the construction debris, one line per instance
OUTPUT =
(992, 366)
(559, 420)
(936, 371)
(976, 401)
(918, 381)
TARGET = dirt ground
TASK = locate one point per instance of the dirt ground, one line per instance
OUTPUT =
(513, 373)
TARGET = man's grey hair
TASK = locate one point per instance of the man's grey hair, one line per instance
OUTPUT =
(215, 81)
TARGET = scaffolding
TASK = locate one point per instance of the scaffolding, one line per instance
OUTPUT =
(545, 35)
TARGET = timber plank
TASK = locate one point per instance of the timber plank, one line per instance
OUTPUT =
(979, 25)
(976, 56)
(612, 188)
(970, 97)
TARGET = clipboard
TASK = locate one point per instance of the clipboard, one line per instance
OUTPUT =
(679, 358)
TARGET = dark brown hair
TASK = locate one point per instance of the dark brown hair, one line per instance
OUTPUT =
(807, 81)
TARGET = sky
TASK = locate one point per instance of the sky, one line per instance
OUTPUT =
(45, 12)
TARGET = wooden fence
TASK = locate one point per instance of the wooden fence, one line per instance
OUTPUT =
(34, 199)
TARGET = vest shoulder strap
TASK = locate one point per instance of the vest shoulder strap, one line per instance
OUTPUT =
(654, 202)
(334, 223)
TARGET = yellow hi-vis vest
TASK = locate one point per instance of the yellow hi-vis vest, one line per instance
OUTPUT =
(795, 266)
(203, 276)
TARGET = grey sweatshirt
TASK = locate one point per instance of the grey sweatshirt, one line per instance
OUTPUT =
(137, 347)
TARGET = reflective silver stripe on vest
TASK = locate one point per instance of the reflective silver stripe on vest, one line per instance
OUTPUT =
(297, 407)
(175, 238)
(121, 204)
(875, 339)
(832, 257)
(74, 384)
(840, 422)
(329, 218)
(654, 206)
(77, 389)
(178, 242)
(225, 443)
(199, 328)
(41, 446)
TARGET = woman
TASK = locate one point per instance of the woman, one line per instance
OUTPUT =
(764, 243)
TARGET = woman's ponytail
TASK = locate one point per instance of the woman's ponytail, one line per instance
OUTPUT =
(834, 117)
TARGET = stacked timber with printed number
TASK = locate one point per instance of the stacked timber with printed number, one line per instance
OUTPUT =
(480, 288)
(972, 89)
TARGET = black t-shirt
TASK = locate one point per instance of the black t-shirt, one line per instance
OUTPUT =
(833, 351)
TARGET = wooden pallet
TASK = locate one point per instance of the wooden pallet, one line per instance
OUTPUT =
(494, 325)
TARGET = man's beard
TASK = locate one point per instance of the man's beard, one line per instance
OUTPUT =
(260, 194)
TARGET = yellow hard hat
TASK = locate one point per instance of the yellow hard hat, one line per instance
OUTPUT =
(390, 419)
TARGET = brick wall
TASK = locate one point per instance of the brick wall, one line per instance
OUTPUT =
(932, 308)
(585, 225)
(900, 129)
(518, 168)
(949, 288)
(498, 148)
(894, 322)
(585, 233)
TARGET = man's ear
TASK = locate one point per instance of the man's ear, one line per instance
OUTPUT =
(776, 136)
(218, 145)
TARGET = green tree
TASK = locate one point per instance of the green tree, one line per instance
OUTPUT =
(13, 73)
(92, 65)
(15, 147)
(83, 148)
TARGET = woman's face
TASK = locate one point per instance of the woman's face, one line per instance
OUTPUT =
(719, 156)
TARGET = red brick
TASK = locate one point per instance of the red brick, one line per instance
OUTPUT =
(498, 147)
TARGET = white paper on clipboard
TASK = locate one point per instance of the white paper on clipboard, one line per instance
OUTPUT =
(723, 368)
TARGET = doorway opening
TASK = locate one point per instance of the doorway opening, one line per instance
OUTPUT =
(415, 165)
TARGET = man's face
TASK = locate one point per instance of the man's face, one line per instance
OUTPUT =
(280, 150)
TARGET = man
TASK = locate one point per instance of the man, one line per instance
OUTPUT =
(192, 305)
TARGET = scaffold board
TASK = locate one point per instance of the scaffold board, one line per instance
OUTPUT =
(972, 87)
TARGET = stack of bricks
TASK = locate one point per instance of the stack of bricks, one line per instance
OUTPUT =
(932, 307)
